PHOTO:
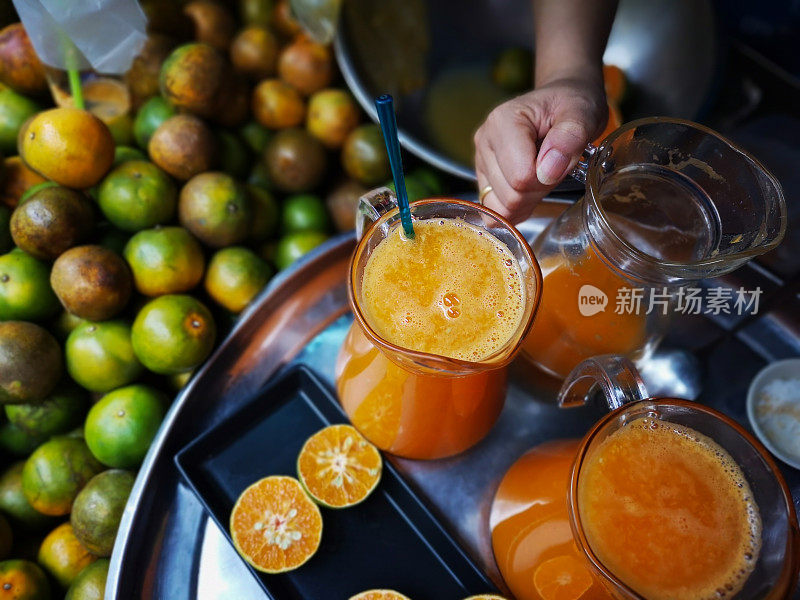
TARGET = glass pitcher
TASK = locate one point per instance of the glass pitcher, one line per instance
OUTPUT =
(540, 521)
(668, 202)
(414, 404)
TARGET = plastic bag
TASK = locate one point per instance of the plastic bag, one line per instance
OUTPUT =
(318, 17)
(103, 35)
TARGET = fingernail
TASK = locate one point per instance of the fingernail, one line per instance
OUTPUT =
(551, 167)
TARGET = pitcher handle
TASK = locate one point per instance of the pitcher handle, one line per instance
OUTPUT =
(582, 168)
(372, 206)
(615, 375)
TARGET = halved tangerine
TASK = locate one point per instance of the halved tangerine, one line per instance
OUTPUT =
(485, 597)
(275, 526)
(379, 595)
(339, 467)
(562, 578)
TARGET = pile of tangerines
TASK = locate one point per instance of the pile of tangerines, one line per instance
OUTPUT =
(133, 231)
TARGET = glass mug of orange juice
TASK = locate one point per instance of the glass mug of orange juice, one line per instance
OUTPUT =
(667, 203)
(663, 498)
(437, 319)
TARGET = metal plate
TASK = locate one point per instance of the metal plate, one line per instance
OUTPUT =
(168, 548)
(264, 438)
(667, 48)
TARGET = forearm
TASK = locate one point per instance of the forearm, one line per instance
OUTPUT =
(571, 36)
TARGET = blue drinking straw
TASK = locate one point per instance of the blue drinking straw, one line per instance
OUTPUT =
(385, 106)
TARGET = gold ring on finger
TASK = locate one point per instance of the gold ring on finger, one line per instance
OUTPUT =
(484, 192)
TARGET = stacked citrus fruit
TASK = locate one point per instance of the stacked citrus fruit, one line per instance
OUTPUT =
(131, 235)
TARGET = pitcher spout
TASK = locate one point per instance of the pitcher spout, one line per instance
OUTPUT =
(773, 227)
(372, 206)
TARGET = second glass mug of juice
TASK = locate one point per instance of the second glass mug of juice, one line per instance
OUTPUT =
(668, 202)
(663, 498)
(456, 302)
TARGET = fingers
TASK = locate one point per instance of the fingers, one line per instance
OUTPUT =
(505, 158)
(512, 138)
(514, 206)
(565, 114)
(562, 146)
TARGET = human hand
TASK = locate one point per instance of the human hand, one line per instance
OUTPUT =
(564, 115)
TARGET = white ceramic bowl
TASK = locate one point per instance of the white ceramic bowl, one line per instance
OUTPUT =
(782, 369)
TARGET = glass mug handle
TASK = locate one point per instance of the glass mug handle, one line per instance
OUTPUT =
(582, 168)
(615, 375)
(372, 206)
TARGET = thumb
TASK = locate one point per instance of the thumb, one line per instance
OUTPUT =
(561, 148)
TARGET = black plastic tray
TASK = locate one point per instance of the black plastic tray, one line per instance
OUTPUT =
(391, 540)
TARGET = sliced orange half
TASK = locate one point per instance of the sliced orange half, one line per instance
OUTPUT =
(562, 578)
(379, 595)
(485, 597)
(339, 467)
(275, 526)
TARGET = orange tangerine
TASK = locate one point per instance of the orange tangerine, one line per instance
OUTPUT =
(63, 555)
(379, 595)
(23, 580)
(213, 23)
(283, 21)
(275, 526)
(306, 65)
(72, 147)
(616, 83)
(20, 67)
(18, 178)
(277, 105)
(562, 578)
(339, 467)
(614, 121)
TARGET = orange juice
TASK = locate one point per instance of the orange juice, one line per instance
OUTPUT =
(411, 414)
(531, 534)
(454, 291)
(561, 335)
(669, 512)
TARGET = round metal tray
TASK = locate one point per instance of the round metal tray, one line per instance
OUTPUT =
(167, 547)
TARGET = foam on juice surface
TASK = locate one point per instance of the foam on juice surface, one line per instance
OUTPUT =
(454, 290)
(669, 512)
